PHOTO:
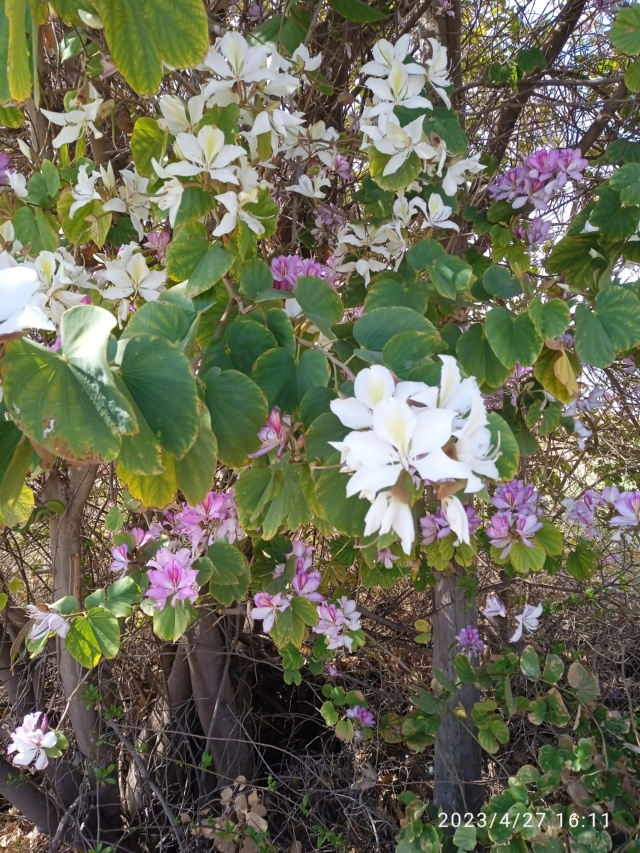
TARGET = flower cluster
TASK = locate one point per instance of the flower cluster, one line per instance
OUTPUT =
(528, 620)
(287, 269)
(436, 526)
(537, 180)
(34, 742)
(517, 519)
(622, 508)
(335, 619)
(362, 718)
(408, 433)
(121, 554)
(470, 641)
(172, 577)
(277, 432)
(216, 517)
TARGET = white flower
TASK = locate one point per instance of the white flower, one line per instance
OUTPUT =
(400, 89)
(239, 66)
(177, 116)
(457, 519)
(46, 621)
(494, 607)
(20, 305)
(233, 202)
(437, 73)
(85, 190)
(372, 385)
(206, 152)
(58, 272)
(132, 199)
(18, 183)
(301, 57)
(169, 196)
(457, 173)
(387, 513)
(83, 114)
(389, 138)
(130, 277)
(528, 620)
(385, 55)
(438, 213)
(312, 188)
(29, 742)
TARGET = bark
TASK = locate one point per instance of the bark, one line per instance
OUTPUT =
(213, 693)
(458, 756)
(29, 799)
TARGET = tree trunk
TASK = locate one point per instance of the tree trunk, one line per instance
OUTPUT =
(458, 757)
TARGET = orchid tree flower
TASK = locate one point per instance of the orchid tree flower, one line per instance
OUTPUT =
(386, 55)
(389, 137)
(30, 740)
(208, 153)
(20, 304)
(82, 115)
(528, 620)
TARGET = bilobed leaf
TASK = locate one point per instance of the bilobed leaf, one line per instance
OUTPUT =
(553, 669)
(406, 351)
(36, 228)
(627, 181)
(504, 441)
(158, 377)
(583, 682)
(525, 559)
(512, 338)
(187, 248)
(572, 257)
(209, 270)
(89, 224)
(143, 34)
(357, 11)
(448, 273)
(550, 318)
(625, 32)
(530, 663)
(319, 302)
(147, 144)
(196, 470)
(157, 490)
(402, 177)
(582, 562)
(238, 411)
(498, 281)
(312, 372)
(555, 371)
(376, 327)
(614, 220)
(172, 621)
(170, 317)
(478, 359)
(275, 372)
(93, 636)
(345, 514)
(247, 340)
(614, 326)
(255, 277)
(530, 59)
(230, 576)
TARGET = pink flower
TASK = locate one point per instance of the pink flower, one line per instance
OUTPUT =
(274, 434)
(159, 242)
(363, 717)
(172, 577)
(469, 640)
(267, 606)
(335, 620)
(494, 607)
(30, 740)
(120, 561)
(628, 507)
(306, 584)
(387, 558)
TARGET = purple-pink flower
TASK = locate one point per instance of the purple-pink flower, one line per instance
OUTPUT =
(5, 160)
(470, 641)
(628, 508)
(172, 577)
(275, 433)
(335, 620)
(30, 740)
(362, 717)
(435, 526)
(266, 607)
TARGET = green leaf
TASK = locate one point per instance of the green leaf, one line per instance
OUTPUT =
(615, 221)
(550, 538)
(550, 318)
(525, 559)
(345, 514)
(312, 372)
(171, 317)
(152, 490)
(255, 277)
(18, 64)
(478, 359)
(196, 471)
(147, 143)
(571, 257)
(419, 729)
(36, 228)
(275, 373)
(583, 682)
(625, 32)
(406, 351)
(498, 281)
(389, 288)
(238, 411)
(209, 270)
(622, 151)
(376, 327)
(530, 663)
(186, 250)
(328, 712)
(445, 124)
(231, 576)
(402, 177)
(319, 302)
(464, 670)
(531, 59)
(143, 34)
(172, 621)
(357, 11)
(93, 636)
(582, 563)
(513, 339)
(553, 669)
(614, 326)
(90, 224)
(627, 181)
(196, 202)
(465, 837)
(120, 598)
(556, 372)
(488, 742)
(247, 340)
(448, 273)
(158, 377)
(11, 117)
(632, 76)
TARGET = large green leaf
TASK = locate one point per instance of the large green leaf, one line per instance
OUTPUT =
(572, 257)
(614, 220)
(478, 359)
(357, 11)
(625, 32)
(504, 440)
(231, 576)
(37, 229)
(209, 270)
(196, 470)
(18, 68)
(512, 338)
(448, 273)
(402, 177)
(147, 144)
(407, 351)
(550, 318)
(345, 514)
(158, 377)
(186, 250)
(319, 302)
(157, 490)
(247, 340)
(143, 34)
(612, 328)
(498, 281)
(172, 317)
(238, 411)
(93, 636)
(376, 327)
(39, 384)
(172, 621)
